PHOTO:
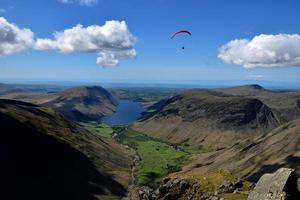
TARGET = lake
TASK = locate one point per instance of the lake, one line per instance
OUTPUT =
(127, 112)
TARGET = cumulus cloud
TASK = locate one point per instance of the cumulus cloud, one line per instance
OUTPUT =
(14, 39)
(111, 41)
(80, 2)
(281, 50)
(255, 76)
(110, 58)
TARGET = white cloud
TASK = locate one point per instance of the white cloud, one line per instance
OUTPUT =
(110, 58)
(14, 39)
(111, 41)
(107, 59)
(281, 50)
(80, 2)
(255, 76)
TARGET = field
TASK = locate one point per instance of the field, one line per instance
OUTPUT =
(157, 159)
(101, 129)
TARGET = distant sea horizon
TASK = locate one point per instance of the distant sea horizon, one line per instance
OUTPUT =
(210, 84)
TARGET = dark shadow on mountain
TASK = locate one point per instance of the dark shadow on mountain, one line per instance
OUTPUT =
(290, 162)
(35, 166)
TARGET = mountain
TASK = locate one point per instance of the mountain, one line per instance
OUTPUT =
(204, 117)
(82, 103)
(45, 156)
(245, 90)
(252, 158)
(78, 103)
(286, 104)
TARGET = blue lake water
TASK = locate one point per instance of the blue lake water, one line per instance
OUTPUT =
(127, 112)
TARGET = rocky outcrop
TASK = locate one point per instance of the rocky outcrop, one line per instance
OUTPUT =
(179, 189)
(169, 189)
(281, 185)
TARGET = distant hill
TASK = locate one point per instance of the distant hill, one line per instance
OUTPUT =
(252, 158)
(5, 88)
(82, 103)
(204, 117)
(22, 88)
(286, 104)
(78, 103)
(45, 156)
(245, 90)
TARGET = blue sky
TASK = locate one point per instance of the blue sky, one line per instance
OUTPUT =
(213, 23)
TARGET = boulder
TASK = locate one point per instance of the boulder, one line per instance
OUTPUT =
(229, 187)
(145, 193)
(183, 185)
(281, 185)
(165, 180)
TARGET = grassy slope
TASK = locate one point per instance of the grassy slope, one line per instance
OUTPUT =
(100, 129)
(252, 158)
(209, 183)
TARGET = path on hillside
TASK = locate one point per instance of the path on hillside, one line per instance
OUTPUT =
(131, 190)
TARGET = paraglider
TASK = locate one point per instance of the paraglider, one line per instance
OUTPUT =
(183, 31)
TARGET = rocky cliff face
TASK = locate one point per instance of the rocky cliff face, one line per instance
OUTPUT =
(283, 103)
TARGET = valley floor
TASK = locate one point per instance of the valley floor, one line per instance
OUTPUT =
(156, 160)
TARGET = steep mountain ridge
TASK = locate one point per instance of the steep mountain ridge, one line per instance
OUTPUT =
(46, 156)
(286, 104)
(207, 117)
